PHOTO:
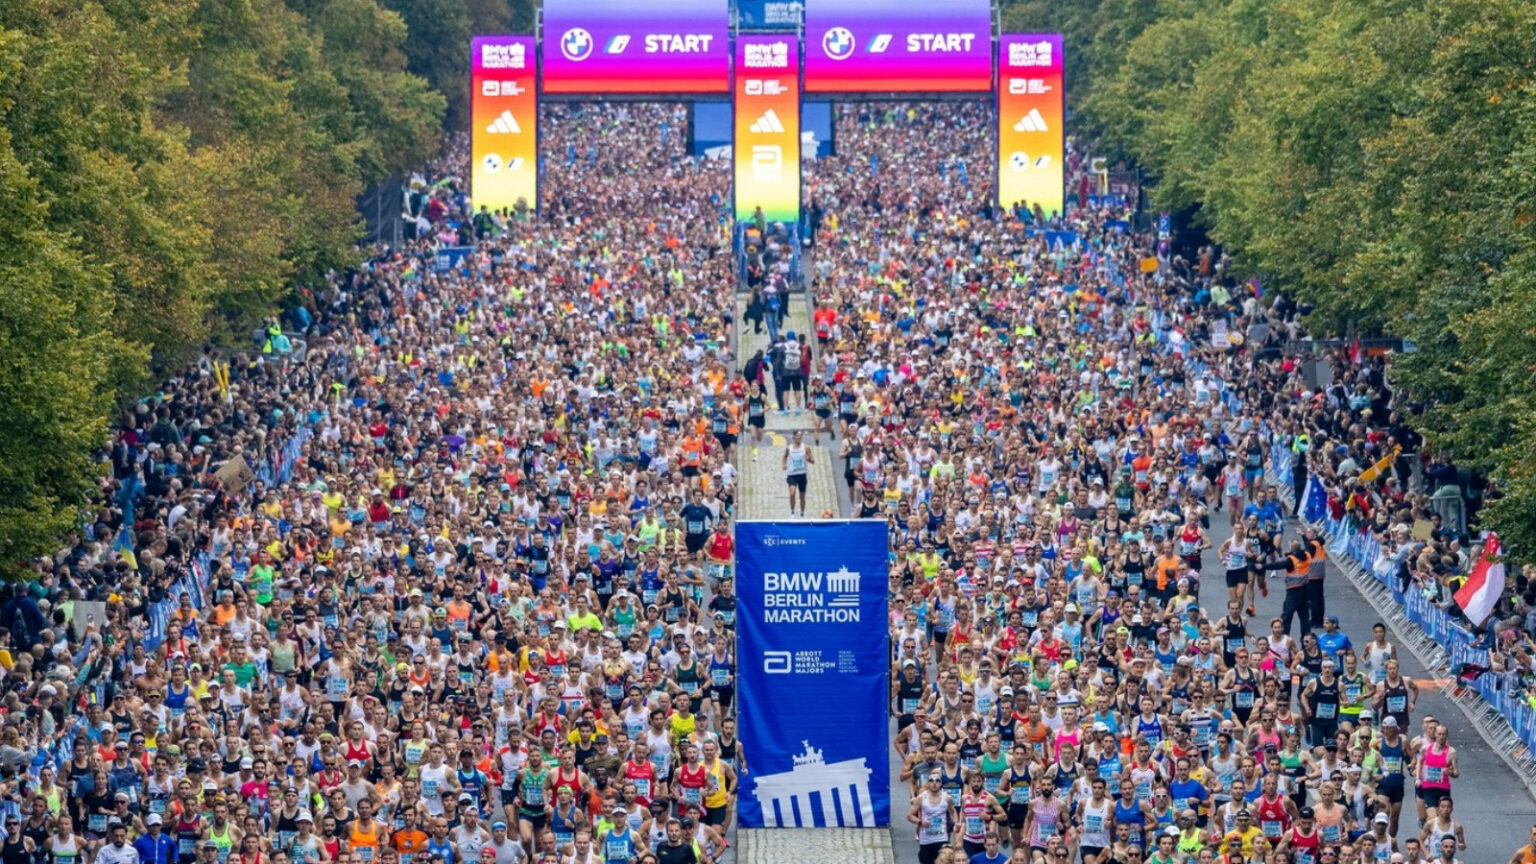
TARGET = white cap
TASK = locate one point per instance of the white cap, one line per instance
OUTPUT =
(154, 819)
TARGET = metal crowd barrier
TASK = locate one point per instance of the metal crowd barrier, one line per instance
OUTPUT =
(1502, 717)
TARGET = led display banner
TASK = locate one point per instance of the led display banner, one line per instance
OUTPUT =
(776, 14)
(1031, 118)
(597, 47)
(813, 664)
(898, 46)
(767, 139)
(504, 117)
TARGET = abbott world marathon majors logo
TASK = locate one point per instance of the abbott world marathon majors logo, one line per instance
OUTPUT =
(830, 597)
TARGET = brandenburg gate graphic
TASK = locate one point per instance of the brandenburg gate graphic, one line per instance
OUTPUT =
(841, 787)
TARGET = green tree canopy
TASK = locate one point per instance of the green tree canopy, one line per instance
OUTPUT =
(1377, 158)
(169, 169)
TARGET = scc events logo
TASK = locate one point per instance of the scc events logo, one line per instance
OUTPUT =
(576, 45)
(776, 540)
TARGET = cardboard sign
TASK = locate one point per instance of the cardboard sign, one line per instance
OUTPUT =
(235, 474)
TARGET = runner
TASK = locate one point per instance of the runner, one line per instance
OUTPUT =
(796, 464)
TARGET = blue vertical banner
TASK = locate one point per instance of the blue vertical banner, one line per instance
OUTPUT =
(814, 665)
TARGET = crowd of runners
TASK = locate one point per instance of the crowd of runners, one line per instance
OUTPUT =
(1056, 440)
(474, 602)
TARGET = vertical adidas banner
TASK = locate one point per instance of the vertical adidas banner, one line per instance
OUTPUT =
(814, 666)
(503, 116)
(1031, 118)
(767, 139)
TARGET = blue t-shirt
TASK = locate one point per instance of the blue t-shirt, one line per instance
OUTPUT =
(1332, 643)
(984, 858)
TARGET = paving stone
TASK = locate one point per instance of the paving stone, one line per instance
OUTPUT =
(831, 845)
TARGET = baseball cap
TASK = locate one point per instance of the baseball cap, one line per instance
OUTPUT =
(304, 816)
(154, 819)
(1382, 819)
(1389, 721)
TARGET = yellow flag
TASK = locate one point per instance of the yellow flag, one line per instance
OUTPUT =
(1374, 471)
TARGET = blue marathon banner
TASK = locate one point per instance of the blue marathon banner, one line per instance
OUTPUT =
(814, 665)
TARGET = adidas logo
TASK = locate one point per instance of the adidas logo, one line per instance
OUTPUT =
(769, 122)
(504, 124)
(1031, 122)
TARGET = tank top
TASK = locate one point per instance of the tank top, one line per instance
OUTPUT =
(1018, 787)
(952, 783)
(1095, 824)
(796, 459)
(714, 786)
(224, 841)
(1274, 819)
(175, 702)
(690, 784)
(1047, 818)
(1392, 763)
(1130, 814)
(1325, 701)
(641, 775)
(187, 832)
(619, 846)
(1235, 637)
(973, 819)
(1330, 826)
(15, 851)
(366, 845)
(1237, 554)
(563, 824)
(933, 827)
(1189, 542)
(1434, 773)
(1244, 690)
(1305, 849)
(67, 852)
(534, 799)
(1395, 702)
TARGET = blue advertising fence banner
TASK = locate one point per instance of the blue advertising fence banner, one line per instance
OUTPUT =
(814, 661)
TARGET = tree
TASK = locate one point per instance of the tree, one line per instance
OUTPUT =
(1377, 159)
(171, 169)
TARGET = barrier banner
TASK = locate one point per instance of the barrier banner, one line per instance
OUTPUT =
(504, 120)
(1031, 122)
(767, 139)
(597, 47)
(814, 665)
(898, 46)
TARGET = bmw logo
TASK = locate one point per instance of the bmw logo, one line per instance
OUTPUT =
(576, 44)
(838, 43)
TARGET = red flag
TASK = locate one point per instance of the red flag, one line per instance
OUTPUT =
(1484, 585)
(1354, 351)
